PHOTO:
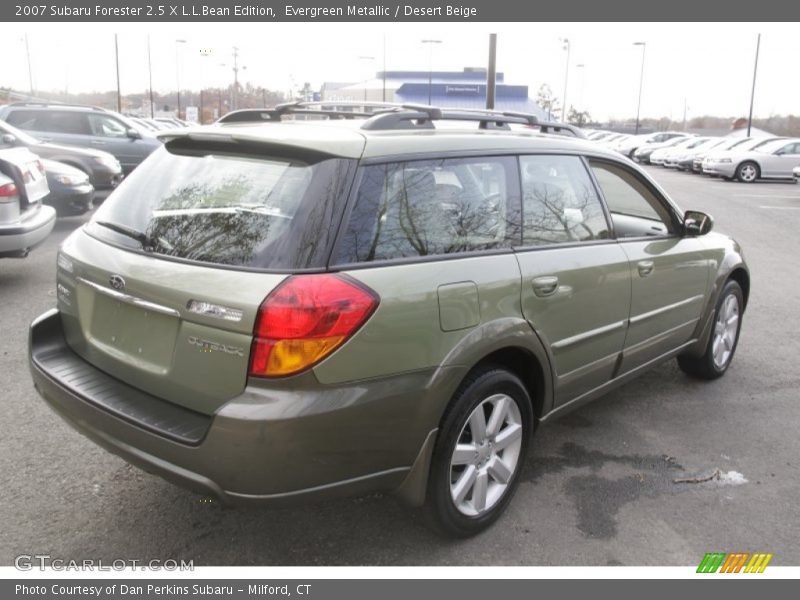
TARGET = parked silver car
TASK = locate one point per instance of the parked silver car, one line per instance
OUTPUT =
(772, 160)
(24, 222)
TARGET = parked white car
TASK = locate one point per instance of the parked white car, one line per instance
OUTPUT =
(681, 159)
(629, 146)
(661, 154)
(771, 160)
(643, 152)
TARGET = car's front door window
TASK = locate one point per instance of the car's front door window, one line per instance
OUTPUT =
(105, 126)
(635, 209)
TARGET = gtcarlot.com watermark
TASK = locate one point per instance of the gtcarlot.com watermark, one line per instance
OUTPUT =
(42, 562)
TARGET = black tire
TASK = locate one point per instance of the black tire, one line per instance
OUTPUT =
(440, 509)
(705, 366)
(748, 172)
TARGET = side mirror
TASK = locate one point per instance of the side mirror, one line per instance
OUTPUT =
(697, 223)
(8, 139)
(134, 134)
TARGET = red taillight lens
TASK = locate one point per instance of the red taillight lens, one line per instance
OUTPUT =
(8, 190)
(305, 319)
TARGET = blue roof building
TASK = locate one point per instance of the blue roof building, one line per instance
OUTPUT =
(454, 89)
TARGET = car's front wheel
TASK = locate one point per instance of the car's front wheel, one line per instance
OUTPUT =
(724, 336)
(747, 172)
(479, 453)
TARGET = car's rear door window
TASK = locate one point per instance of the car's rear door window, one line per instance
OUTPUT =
(406, 210)
(264, 212)
(559, 201)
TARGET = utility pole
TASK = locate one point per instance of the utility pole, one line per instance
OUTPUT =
(430, 64)
(235, 94)
(150, 70)
(641, 81)
(116, 55)
(753, 92)
(491, 72)
(566, 80)
(30, 69)
(178, 73)
(384, 67)
(684, 114)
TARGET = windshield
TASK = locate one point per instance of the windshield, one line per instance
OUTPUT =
(257, 212)
(26, 138)
(770, 147)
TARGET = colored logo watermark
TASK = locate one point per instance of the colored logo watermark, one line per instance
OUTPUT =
(738, 562)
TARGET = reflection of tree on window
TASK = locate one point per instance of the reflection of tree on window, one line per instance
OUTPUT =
(430, 207)
(559, 202)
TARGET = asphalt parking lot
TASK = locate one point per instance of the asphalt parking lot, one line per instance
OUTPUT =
(598, 487)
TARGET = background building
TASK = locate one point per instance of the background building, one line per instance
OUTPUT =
(454, 89)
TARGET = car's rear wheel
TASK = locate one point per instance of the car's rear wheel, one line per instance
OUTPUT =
(479, 453)
(724, 336)
(747, 172)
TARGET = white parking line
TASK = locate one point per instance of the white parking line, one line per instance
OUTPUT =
(781, 207)
(796, 196)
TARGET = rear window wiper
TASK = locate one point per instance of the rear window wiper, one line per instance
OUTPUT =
(148, 243)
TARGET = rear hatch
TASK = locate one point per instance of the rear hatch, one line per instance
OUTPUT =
(25, 168)
(162, 288)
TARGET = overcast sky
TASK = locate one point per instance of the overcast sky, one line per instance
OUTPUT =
(709, 65)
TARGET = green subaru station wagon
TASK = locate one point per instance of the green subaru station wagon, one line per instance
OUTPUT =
(300, 303)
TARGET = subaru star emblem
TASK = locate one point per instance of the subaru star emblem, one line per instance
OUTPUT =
(117, 282)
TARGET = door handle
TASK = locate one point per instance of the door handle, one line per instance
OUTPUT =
(645, 267)
(98, 143)
(545, 286)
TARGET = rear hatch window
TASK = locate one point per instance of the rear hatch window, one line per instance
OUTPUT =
(267, 210)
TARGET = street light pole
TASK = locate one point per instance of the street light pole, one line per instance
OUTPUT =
(581, 66)
(566, 79)
(753, 92)
(235, 94)
(116, 58)
(372, 58)
(30, 69)
(430, 64)
(641, 81)
(178, 73)
(150, 71)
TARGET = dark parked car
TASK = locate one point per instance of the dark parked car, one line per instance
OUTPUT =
(86, 127)
(71, 193)
(103, 169)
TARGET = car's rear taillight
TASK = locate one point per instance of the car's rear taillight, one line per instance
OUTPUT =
(305, 319)
(8, 192)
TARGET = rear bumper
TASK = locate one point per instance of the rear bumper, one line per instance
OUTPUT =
(23, 235)
(266, 446)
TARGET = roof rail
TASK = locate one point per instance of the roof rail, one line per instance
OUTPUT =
(249, 115)
(389, 115)
(422, 117)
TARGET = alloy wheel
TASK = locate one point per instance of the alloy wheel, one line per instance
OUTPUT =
(726, 329)
(486, 455)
